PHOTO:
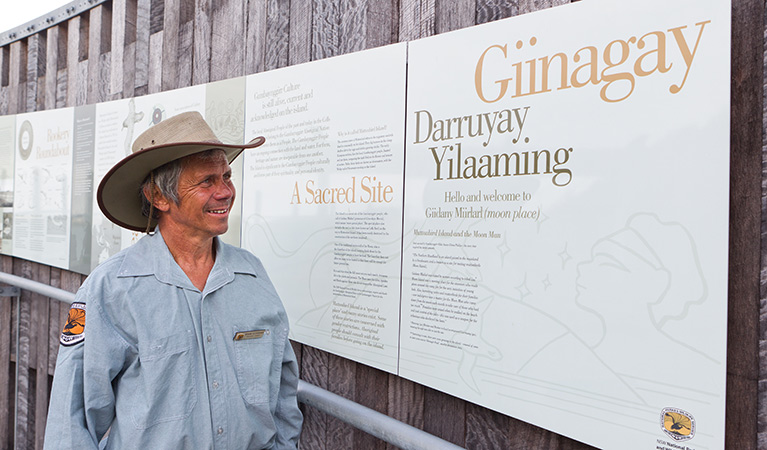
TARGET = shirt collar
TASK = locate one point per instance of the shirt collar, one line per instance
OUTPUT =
(150, 256)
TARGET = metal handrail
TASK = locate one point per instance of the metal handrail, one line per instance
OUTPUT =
(361, 417)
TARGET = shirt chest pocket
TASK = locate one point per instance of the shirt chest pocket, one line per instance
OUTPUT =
(165, 390)
(258, 363)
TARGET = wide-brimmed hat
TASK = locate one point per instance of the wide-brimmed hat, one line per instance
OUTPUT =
(182, 135)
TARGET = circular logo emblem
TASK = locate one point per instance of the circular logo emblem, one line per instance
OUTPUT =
(26, 139)
(677, 424)
(158, 114)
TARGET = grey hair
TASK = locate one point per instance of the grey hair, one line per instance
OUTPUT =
(166, 179)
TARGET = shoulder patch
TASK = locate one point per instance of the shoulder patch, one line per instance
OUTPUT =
(74, 330)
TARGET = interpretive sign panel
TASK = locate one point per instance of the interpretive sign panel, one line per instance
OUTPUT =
(42, 185)
(7, 156)
(566, 219)
(322, 200)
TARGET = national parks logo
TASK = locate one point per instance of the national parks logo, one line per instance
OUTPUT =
(74, 329)
(677, 424)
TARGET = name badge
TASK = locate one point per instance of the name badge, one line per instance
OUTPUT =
(254, 334)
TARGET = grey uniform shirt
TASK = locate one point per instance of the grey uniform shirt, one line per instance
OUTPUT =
(169, 367)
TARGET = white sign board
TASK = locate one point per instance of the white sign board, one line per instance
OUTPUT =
(322, 200)
(42, 186)
(566, 220)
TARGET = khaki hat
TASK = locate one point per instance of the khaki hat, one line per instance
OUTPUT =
(182, 135)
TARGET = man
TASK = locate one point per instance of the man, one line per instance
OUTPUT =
(186, 341)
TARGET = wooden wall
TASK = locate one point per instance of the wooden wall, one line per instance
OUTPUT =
(128, 48)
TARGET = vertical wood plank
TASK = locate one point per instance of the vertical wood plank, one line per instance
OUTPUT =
(227, 51)
(277, 35)
(23, 433)
(103, 77)
(6, 402)
(519, 433)
(202, 41)
(371, 391)
(256, 41)
(35, 68)
(405, 402)
(74, 36)
(444, 416)
(566, 443)
(99, 38)
(489, 429)
(185, 51)
(382, 24)
(81, 72)
(5, 56)
(156, 39)
(490, 10)
(154, 82)
(745, 209)
(762, 383)
(129, 72)
(33, 336)
(185, 60)
(339, 27)
(342, 372)
(17, 75)
(300, 43)
(482, 422)
(52, 66)
(170, 54)
(314, 368)
(453, 15)
(61, 88)
(141, 72)
(41, 320)
(417, 19)
(119, 32)
(94, 52)
(526, 6)
(156, 16)
(129, 52)
(5, 53)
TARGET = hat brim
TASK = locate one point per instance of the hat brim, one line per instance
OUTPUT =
(118, 194)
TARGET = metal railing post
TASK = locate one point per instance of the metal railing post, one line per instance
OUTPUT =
(10, 291)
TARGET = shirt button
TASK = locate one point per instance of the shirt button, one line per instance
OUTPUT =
(209, 339)
(220, 430)
(215, 385)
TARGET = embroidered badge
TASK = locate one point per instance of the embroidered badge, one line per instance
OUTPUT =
(74, 330)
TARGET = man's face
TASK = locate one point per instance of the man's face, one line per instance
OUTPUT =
(206, 194)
